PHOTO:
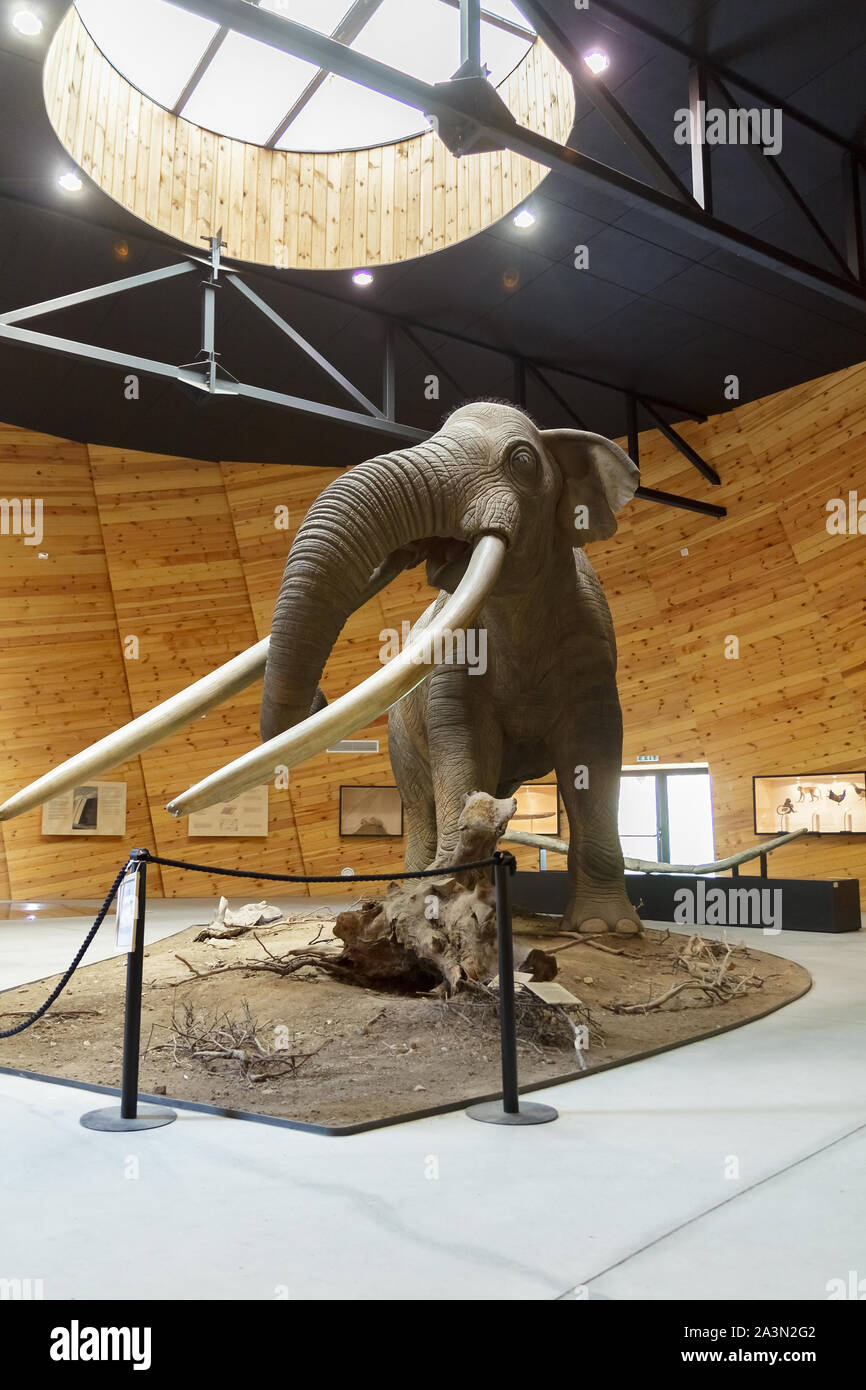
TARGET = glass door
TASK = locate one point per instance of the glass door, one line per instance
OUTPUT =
(690, 818)
(639, 829)
(667, 816)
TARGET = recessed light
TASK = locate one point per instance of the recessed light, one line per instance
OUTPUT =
(596, 61)
(362, 277)
(70, 182)
(27, 23)
(524, 218)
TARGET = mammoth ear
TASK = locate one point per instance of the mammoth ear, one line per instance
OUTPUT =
(598, 479)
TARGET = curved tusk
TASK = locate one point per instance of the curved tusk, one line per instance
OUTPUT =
(149, 728)
(359, 706)
(650, 866)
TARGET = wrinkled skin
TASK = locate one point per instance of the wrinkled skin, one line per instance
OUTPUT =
(547, 702)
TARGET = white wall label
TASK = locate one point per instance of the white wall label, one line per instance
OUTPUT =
(127, 911)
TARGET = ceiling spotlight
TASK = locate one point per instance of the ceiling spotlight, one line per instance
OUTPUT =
(524, 218)
(596, 61)
(70, 182)
(27, 23)
(362, 277)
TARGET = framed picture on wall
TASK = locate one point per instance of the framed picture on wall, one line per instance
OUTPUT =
(537, 811)
(245, 815)
(827, 803)
(93, 808)
(371, 811)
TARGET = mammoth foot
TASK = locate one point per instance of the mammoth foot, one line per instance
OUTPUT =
(589, 916)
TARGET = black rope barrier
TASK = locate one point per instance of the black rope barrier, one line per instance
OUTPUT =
(58, 989)
(318, 878)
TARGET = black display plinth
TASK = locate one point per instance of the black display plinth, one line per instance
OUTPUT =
(801, 905)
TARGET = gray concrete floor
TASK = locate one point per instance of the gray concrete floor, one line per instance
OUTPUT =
(734, 1168)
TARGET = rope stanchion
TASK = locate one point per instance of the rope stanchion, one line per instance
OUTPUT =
(130, 1114)
(508, 1110)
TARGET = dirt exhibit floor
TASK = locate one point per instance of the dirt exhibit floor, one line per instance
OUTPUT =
(223, 1023)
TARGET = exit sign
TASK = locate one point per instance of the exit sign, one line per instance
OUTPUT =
(647, 757)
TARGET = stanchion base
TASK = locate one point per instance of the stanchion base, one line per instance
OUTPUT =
(110, 1118)
(490, 1112)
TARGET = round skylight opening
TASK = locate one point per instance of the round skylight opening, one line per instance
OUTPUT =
(239, 87)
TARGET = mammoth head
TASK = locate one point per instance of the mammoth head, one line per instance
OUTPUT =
(489, 471)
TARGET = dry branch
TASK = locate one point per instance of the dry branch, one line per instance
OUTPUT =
(708, 966)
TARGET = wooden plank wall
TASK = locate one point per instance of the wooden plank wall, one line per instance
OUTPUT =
(62, 678)
(187, 556)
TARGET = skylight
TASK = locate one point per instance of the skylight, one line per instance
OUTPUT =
(239, 87)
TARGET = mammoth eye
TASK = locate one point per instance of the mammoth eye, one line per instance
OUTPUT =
(523, 464)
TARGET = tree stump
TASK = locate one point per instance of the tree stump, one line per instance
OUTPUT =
(434, 933)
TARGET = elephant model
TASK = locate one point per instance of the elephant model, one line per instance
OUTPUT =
(546, 698)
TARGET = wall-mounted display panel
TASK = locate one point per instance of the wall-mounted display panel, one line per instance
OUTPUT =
(831, 803)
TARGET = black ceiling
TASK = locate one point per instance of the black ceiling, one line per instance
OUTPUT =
(658, 311)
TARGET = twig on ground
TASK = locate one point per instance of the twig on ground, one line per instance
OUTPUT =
(708, 965)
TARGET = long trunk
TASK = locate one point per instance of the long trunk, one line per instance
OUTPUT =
(364, 516)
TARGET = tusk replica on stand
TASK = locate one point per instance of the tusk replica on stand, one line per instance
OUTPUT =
(361, 705)
(650, 866)
(149, 728)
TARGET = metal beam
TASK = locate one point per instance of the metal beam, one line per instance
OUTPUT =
(410, 327)
(389, 374)
(348, 29)
(632, 432)
(679, 443)
(687, 504)
(470, 39)
(67, 301)
(108, 357)
(496, 21)
(301, 342)
(779, 180)
(457, 107)
(431, 357)
(200, 69)
(728, 74)
(66, 347)
(702, 179)
(853, 209)
(558, 397)
(539, 363)
(604, 101)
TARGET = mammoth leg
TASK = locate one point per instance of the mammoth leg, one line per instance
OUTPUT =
(411, 766)
(588, 760)
(465, 743)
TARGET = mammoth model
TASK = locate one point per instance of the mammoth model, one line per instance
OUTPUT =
(547, 700)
